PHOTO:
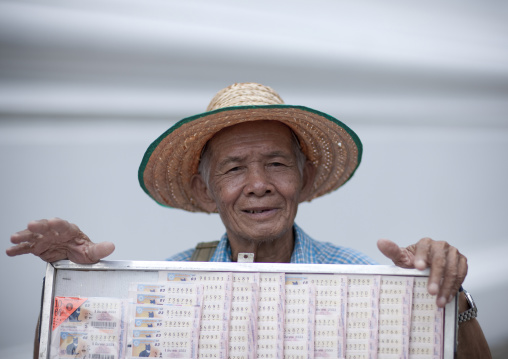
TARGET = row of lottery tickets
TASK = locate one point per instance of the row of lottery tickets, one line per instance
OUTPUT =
(254, 315)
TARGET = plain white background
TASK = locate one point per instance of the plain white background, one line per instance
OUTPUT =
(86, 86)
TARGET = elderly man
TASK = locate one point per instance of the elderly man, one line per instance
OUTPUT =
(253, 159)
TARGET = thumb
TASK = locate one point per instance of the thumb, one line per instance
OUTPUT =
(97, 251)
(398, 255)
(389, 249)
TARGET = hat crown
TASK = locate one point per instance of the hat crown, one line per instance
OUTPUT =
(245, 94)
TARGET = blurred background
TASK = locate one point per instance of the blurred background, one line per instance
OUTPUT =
(86, 86)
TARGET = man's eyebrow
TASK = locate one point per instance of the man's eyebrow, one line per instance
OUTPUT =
(230, 159)
(236, 159)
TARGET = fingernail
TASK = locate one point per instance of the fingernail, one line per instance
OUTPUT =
(433, 288)
(450, 298)
(441, 302)
(420, 264)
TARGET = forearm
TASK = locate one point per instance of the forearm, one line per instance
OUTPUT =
(471, 341)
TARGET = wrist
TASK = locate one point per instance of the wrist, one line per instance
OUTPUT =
(467, 307)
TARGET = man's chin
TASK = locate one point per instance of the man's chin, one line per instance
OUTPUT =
(265, 234)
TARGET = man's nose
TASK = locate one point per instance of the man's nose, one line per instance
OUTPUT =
(258, 183)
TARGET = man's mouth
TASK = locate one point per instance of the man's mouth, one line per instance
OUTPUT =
(254, 211)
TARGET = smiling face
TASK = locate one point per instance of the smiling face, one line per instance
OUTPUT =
(254, 182)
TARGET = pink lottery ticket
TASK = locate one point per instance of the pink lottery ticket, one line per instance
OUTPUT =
(395, 300)
(426, 335)
(362, 316)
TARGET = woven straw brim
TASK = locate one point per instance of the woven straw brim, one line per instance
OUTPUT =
(172, 159)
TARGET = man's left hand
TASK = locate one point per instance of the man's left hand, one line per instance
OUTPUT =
(448, 268)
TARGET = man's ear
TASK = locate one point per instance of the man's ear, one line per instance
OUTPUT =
(309, 173)
(201, 194)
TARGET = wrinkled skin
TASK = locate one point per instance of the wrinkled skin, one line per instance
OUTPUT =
(57, 239)
(448, 268)
(255, 185)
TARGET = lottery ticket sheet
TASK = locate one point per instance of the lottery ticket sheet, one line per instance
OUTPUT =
(88, 328)
(330, 312)
(299, 319)
(395, 303)
(362, 316)
(216, 309)
(164, 319)
(233, 315)
(244, 316)
(426, 332)
(272, 293)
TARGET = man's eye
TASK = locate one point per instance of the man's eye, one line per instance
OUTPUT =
(276, 164)
(234, 169)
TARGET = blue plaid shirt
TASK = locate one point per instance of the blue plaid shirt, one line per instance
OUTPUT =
(307, 250)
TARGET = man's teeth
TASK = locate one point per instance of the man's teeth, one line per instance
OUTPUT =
(260, 211)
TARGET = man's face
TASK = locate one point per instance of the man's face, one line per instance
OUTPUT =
(255, 181)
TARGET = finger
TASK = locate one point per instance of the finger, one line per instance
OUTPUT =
(23, 248)
(40, 226)
(454, 276)
(463, 268)
(96, 252)
(22, 236)
(61, 226)
(437, 260)
(422, 254)
(43, 243)
(450, 276)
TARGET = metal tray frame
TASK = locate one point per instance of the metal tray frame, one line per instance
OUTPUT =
(56, 272)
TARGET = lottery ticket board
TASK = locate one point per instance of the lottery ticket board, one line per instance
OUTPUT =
(135, 309)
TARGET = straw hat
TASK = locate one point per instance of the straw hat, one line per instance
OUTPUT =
(172, 159)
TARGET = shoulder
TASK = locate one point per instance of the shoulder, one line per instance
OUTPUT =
(203, 252)
(184, 256)
(333, 254)
(308, 250)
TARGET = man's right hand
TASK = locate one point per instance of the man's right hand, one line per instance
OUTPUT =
(56, 239)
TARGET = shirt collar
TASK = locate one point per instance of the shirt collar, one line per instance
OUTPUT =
(302, 253)
(223, 251)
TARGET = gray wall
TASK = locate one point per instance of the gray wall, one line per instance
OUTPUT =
(86, 86)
